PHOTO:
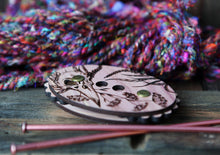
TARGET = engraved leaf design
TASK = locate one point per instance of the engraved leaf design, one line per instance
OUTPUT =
(114, 103)
(159, 99)
(130, 96)
(140, 107)
(77, 98)
(55, 77)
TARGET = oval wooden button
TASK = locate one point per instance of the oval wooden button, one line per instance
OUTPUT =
(112, 90)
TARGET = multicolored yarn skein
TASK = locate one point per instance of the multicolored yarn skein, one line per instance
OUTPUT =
(210, 47)
(157, 37)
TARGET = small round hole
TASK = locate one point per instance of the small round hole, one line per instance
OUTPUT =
(101, 84)
(118, 87)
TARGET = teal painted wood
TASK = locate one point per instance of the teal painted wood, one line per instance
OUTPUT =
(32, 106)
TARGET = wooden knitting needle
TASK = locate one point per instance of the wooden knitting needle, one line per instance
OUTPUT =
(183, 127)
(68, 141)
(136, 129)
(95, 137)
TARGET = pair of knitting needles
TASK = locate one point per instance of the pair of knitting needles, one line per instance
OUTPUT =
(113, 132)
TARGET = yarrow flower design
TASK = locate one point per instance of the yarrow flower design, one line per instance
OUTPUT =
(115, 102)
(130, 96)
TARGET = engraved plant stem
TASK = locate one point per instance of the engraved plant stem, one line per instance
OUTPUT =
(83, 94)
(91, 75)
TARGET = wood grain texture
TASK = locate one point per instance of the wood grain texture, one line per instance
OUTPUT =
(214, 86)
(32, 106)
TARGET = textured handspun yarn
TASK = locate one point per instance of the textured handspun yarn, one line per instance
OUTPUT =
(158, 38)
(210, 48)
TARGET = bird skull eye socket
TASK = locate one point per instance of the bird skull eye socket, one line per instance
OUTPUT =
(69, 82)
(78, 78)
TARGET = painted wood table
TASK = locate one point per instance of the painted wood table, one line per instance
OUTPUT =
(33, 106)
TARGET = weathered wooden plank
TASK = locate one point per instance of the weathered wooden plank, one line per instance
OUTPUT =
(193, 84)
(215, 85)
(33, 106)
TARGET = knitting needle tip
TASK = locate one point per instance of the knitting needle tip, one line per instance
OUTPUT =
(24, 127)
(13, 149)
